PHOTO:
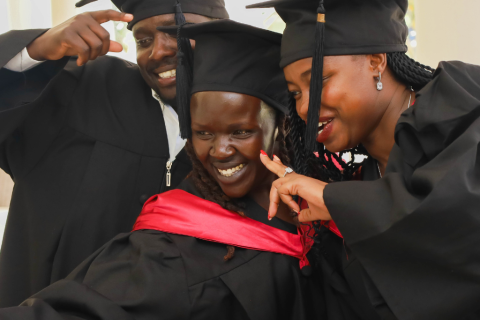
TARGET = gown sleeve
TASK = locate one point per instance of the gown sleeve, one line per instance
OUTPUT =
(416, 231)
(97, 289)
(21, 93)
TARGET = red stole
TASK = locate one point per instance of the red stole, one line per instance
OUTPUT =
(179, 212)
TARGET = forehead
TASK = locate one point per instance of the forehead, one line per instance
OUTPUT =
(220, 108)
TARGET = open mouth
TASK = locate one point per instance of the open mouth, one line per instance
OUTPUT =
(168, 74)
(230, 172)
(322, 125)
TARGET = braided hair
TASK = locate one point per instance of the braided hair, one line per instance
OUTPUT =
(408, 71)
(211, 190)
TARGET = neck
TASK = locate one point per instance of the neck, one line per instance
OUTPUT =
(380, 142)
(261, 195)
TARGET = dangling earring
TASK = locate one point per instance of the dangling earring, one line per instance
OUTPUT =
(379, 83)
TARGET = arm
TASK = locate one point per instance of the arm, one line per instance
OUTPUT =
(22, 62)
(23, 92)
(140, 275)
(13, 42)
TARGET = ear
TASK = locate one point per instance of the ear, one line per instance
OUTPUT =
(377, 63)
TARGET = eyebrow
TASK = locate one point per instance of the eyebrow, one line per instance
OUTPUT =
(306, 73)
(303, 75)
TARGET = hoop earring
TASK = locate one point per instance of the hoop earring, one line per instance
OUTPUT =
(379, 83)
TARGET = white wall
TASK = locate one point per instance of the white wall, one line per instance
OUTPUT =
(447, 30)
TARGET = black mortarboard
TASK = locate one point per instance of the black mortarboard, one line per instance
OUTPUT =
(142, 9)
(318, 28)
(234, 57)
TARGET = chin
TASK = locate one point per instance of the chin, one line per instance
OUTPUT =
(167, 94)
(234, 192)
(335, 146)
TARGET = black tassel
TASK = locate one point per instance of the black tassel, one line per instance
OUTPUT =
(184, 75)
(316, 81)
(82, 3)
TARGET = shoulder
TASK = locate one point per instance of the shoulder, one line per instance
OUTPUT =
(104, 67)
(188, 185)
(453, 93)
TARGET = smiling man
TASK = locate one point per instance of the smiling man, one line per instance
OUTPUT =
(86, 142)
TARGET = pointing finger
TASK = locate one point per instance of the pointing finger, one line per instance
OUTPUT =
(274, 202)
(111, 15)
(115, 46)
(277, 168)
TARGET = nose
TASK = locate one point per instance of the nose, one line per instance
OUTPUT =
(222, 149)
(164, 46)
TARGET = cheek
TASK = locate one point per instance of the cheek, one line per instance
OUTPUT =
(202, 149)
(142, 58)
(250, 148)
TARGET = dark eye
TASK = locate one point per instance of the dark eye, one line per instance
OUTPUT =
(203, 134)
(145, 42)
(242, 133)
(295, 94)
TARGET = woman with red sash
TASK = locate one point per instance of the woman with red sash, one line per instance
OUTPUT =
(405, 240)
(205, 250)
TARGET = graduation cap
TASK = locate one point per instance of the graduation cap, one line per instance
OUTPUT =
(232, 57)
(318, 28)
(143, 9)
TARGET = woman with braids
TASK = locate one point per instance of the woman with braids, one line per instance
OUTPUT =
(205, 250)
(404, 243)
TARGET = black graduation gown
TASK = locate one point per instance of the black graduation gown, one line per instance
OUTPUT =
(349, 292)
(416, 231)
(150, 274)
(86, 147)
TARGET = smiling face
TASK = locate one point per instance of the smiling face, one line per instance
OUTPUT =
(351, 109)
(228, 132)
(157, 53)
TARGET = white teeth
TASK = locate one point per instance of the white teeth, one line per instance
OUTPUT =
(322, 124)
(230, 172)
(168, 74)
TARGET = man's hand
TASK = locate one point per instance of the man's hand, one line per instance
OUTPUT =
(81, 35)
(284, 188)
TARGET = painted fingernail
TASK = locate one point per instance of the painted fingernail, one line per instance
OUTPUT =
(276, 158)
(263, 153)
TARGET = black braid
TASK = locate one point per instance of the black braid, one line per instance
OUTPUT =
(408, 71)
(284, 150)
(294, 132)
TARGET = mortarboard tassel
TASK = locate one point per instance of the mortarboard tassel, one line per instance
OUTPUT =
(81, 3)
(316, 83)
(184, 75)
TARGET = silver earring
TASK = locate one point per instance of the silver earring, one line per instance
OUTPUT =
(379, 83)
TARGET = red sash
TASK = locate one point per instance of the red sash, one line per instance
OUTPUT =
(180, 212)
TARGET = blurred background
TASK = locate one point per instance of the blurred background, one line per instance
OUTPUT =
(438, 30)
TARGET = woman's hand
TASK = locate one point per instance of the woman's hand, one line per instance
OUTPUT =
(309, 189)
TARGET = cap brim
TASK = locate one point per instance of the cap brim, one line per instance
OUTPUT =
(269, 4)
(191, 31)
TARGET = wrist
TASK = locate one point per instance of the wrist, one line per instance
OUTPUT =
(34, 50)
